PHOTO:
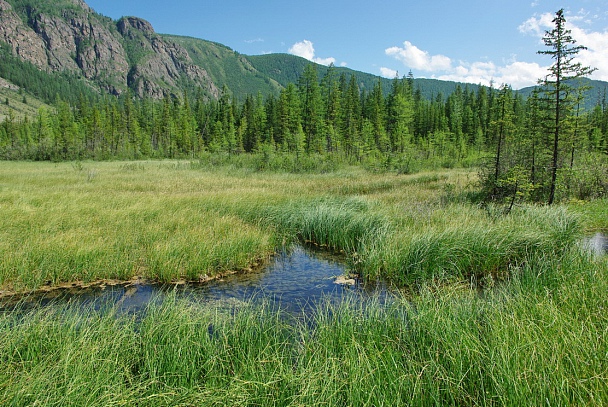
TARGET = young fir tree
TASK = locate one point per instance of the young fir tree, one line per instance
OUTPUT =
(330, 89)
(501, 128)
(557, 85)
(289, 118)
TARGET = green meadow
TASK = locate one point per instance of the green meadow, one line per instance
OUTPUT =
(496, 309)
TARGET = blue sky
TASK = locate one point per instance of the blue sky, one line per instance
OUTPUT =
(475, 41)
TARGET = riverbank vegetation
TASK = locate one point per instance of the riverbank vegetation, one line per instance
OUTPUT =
(171, 220)
(538, 339)
(500, 309)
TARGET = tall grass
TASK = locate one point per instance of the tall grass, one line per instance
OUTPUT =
(472, 247)
(538, 340)
(169, 220)
(538, 336)
(345, 224)
(57, 226)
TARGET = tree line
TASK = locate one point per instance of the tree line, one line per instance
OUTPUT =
(521, 144)
(325, 116)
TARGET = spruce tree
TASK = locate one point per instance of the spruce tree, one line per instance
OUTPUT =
(557, 85)
(311, 108)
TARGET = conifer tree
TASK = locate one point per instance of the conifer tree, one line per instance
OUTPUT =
(557, 85)
(289, 117)
(259, 122)
(502, 129)
(330, 89)
(400, 114)
(376, 111)
(312, 108)
(351, 118)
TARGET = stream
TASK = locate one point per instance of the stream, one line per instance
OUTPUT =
(295, 279)
(598, 243)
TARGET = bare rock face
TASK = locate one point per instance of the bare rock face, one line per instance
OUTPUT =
(23, 40)
(164, 63)
(73, 42)
(129, 26)
(59, 41)
(79, 41)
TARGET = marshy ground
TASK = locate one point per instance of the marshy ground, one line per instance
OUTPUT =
(501, 310)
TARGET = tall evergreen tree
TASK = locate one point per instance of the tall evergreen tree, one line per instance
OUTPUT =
(376, 112)
(290, 127)
(557, 85)
(501, 128)
(311, 108)
(351, 119)
(400, 114)
(331, 94)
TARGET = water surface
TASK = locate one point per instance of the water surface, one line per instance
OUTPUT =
(598, 243)
(295, 280)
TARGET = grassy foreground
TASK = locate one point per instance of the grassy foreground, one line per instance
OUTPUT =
(539, 340)
(536, 335)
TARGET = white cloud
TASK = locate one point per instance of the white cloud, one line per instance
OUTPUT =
(595, 55)
(306, 49)
(537, 25)
(254, 40)
(516, 73)
(416, 58)
(596, 41)
(521, 74)
(303, 49)
(388, 73)
(324, 61)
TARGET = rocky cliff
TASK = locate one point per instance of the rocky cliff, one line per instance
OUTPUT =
(158, 64)
(112, 56)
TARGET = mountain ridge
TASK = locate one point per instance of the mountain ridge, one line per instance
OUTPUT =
(68, 38)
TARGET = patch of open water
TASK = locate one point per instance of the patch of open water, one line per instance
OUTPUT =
(296, 280)
(598, 243)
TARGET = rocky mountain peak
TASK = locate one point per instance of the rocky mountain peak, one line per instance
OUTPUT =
(126, 24)
(112, 56)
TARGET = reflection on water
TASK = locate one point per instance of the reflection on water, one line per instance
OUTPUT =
(598, 243)
(295, 280)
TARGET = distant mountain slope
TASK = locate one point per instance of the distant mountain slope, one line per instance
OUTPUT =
(597, 91)
(63, 47)
(285, 68)
(15, 102)
(227, 67)
(68, 36)
(91, 52)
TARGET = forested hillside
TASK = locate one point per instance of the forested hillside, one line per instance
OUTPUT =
(594, 92)
(189, 98)
(66, 48)
(328, 117)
